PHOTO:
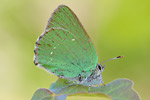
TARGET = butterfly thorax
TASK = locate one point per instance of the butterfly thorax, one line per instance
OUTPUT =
(94, 78)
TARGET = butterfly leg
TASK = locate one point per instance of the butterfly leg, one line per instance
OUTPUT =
(70, 81)
(89, 88)
(101, 82)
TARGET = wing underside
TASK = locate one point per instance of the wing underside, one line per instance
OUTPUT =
(64, 48)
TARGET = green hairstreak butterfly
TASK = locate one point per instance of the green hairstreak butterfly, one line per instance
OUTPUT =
(65, 49)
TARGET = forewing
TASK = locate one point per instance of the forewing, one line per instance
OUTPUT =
(64, 48)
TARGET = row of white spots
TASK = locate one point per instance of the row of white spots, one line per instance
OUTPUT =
(52, 53)
(58, 44)
(55, 48)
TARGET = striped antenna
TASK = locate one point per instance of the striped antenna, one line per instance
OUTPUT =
(112, 59)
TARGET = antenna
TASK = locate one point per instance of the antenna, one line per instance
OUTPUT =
(112, 59)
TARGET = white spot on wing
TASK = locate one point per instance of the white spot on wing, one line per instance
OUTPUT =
(73, 39)
(54, 47)
(51, 53)
(51, 59)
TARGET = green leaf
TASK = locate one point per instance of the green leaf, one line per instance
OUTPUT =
(120, 89)
(42, 94)
(45, 94)
(90, 96)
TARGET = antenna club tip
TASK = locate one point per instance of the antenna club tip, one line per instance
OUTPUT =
(120, 57)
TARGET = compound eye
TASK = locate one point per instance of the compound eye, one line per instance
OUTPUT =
(99, 67)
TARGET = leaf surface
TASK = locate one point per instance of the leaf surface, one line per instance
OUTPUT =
(119, 89)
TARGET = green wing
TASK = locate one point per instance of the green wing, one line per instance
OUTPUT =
(64, 48)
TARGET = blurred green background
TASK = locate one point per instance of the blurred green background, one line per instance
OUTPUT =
(116, 27)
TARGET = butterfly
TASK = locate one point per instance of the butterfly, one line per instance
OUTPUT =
(65, 49)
